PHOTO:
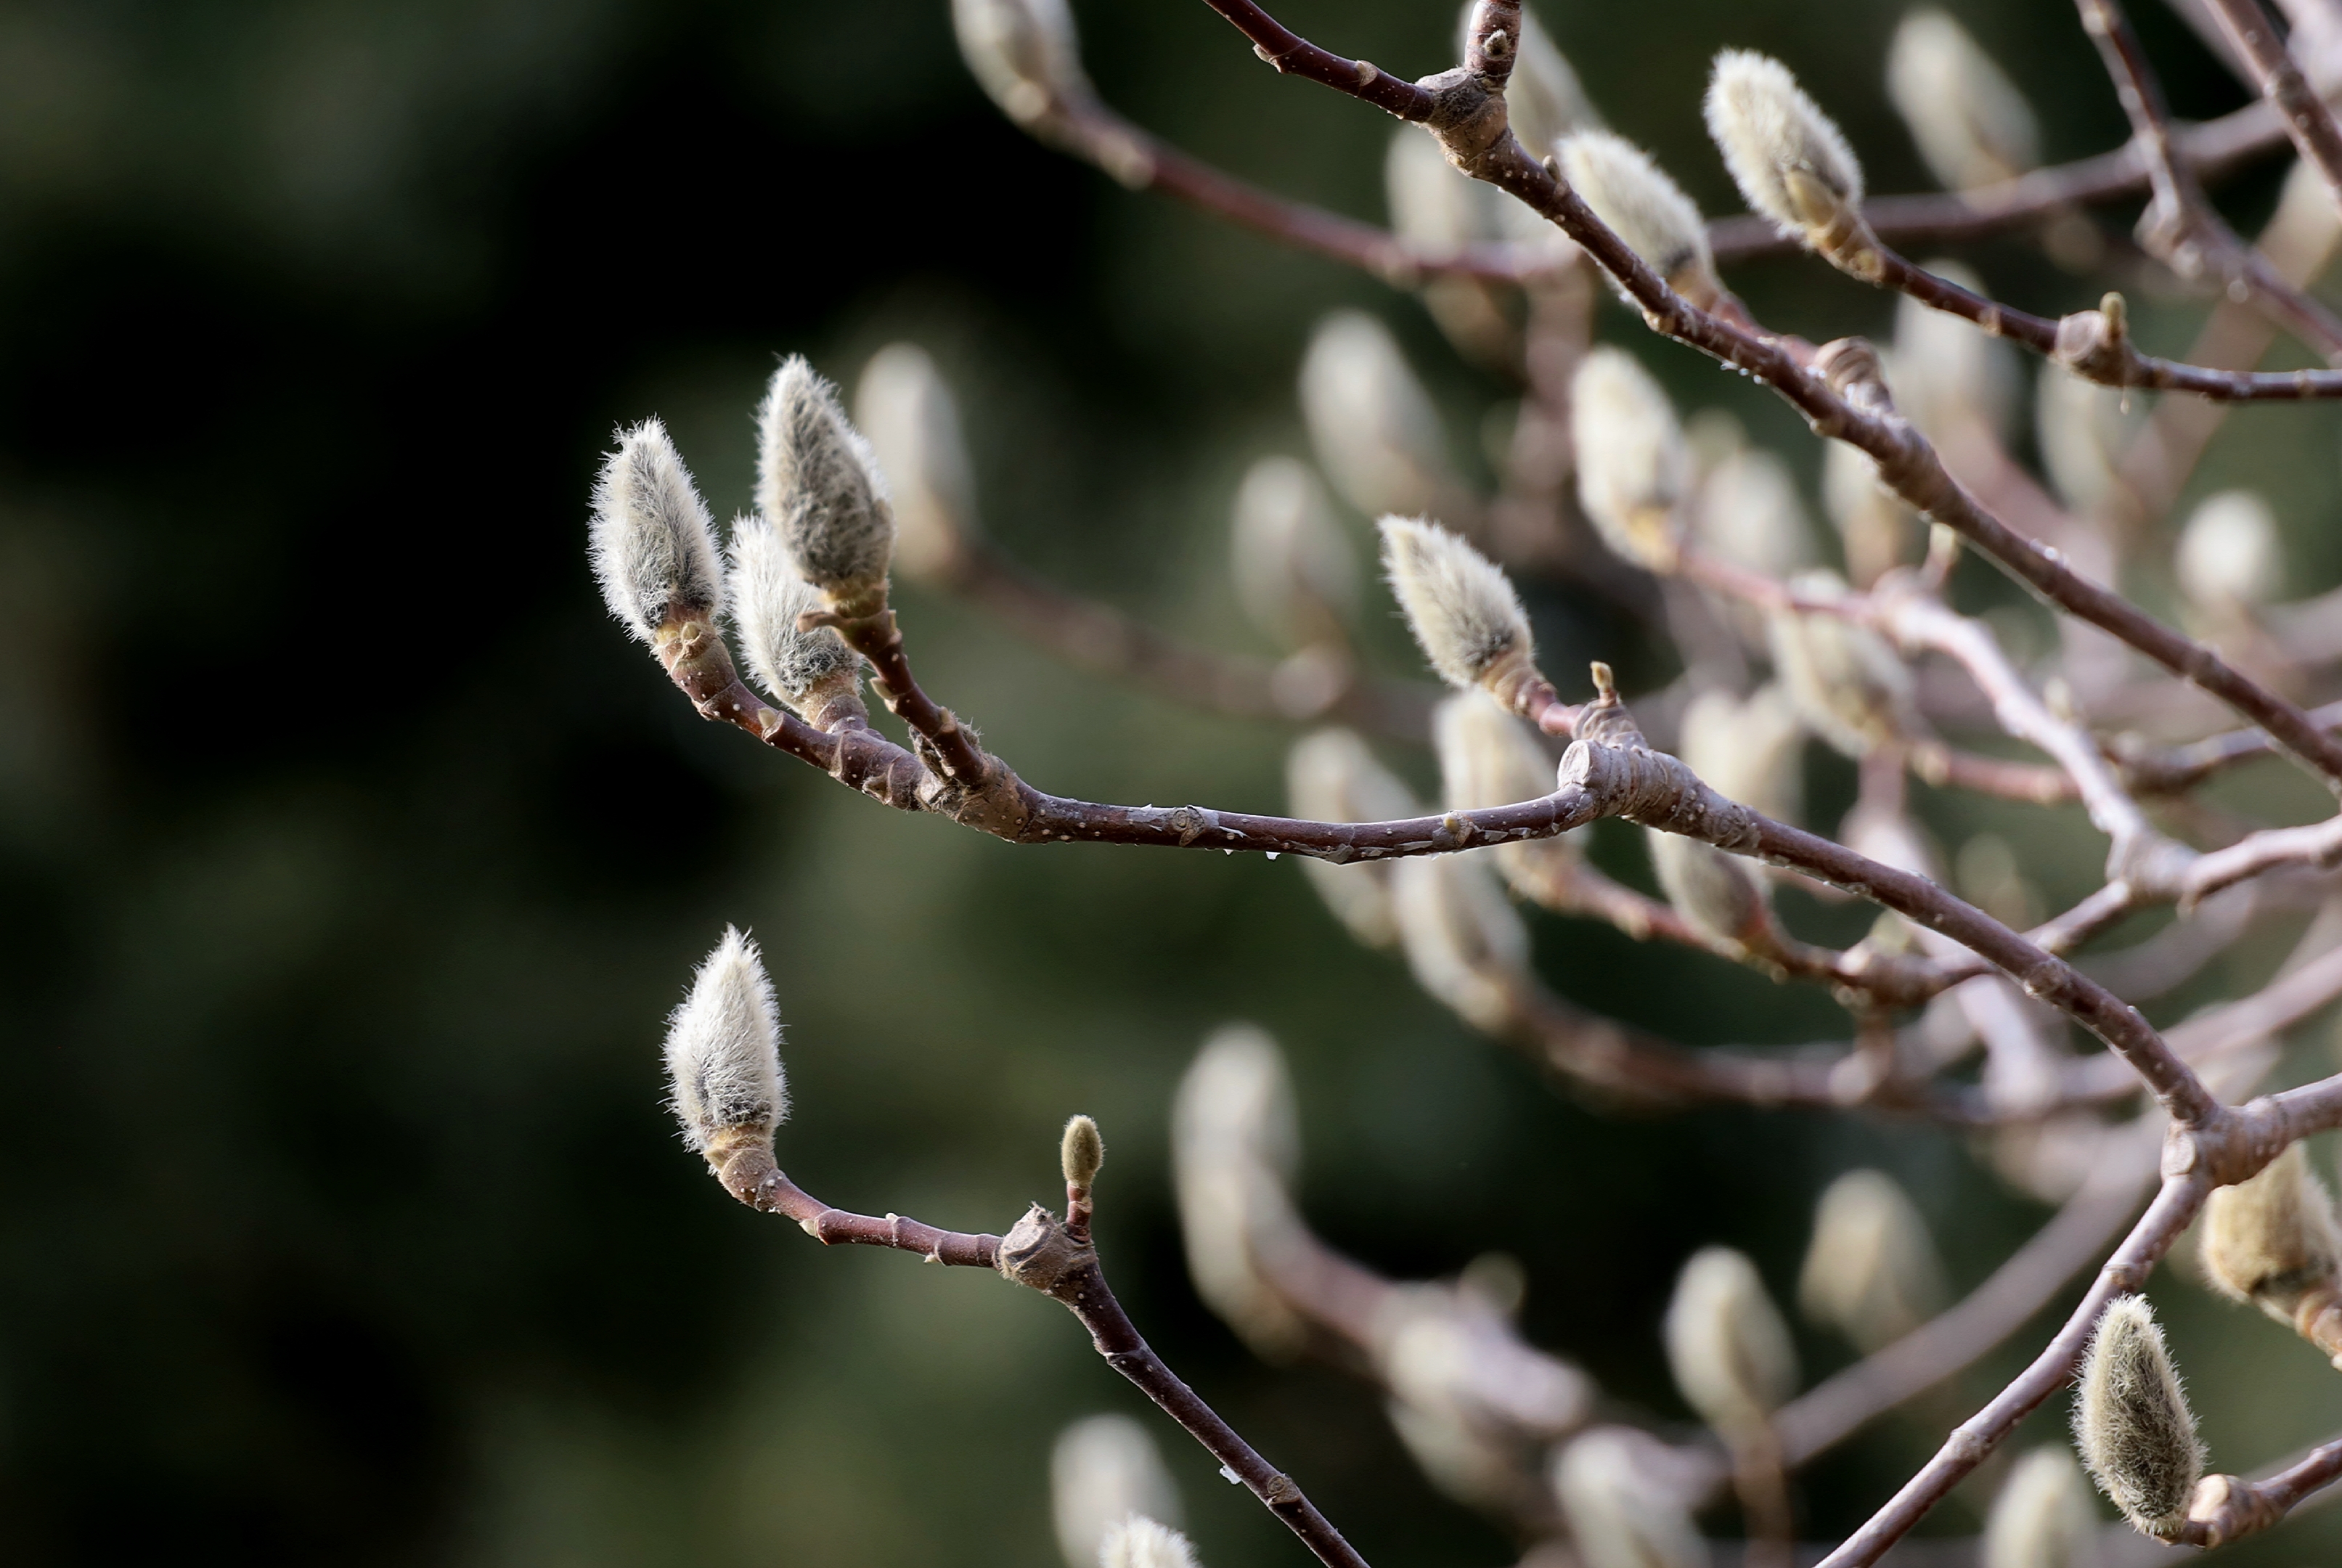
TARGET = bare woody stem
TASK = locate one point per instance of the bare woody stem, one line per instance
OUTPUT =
(2228, 1506)
(2306, 118)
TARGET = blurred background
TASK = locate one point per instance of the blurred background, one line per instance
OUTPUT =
(350, 857)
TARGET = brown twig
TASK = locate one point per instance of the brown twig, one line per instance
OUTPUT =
(2306, 118)
(2228, 1506)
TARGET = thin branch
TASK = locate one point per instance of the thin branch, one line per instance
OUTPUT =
(2228, 1506)
(2306, 118)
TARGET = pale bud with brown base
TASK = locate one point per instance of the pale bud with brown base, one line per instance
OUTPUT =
(1790, 160)
(1139, 1543)
(1849, 687)
(1489, 758)
(1646, 209)
(1235, 1142)
(1023, 53)
(1877, 529)
(1464, 613)
(1633, 468)
(1971, 123)
(724, 1070)
(2272, 1241)
(1465, 943)
(819, 484)
(812, 672)
(1296, 573)
(652, 541)
(2132, 1423)
(2231, 557)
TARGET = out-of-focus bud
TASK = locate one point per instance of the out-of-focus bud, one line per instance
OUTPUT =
(1296, 574)
(1473, 1404)
(1619, 1510)
(1465, 943)
(2042, 1516)
(1543, 100)
(1331, 776)
(1871, 1269)
(1436, 206)
(2300, 236)
(1848, 685)
(1377, 435)
(723, 1053)
(1489, 758)
(1791, 162)
(907, 408)
(1023, 53)
(1944, 372)
(1632, 466)
(1234, 1146)
(1104, 1470)
(815, 673)
(2231, 557)
(1461, 607)
(1646, 209)
(1971, 123)
(2272, 1241)
(652, 541)
(1877, 530)
(1722, 895)
(1749, 749)
(819, 484)
(1727, 1345)
(1143, 1543)
(2082, 428)
(2132, 1423)
(1748, 513)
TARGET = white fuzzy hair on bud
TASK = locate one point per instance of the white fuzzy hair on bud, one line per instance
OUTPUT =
(1460, 605)
(818, 481)
(1139, 1543)
(1487, 758)
(1464, 942)
(1296, 573)
(1104, 1470)
(906, 410)
(798, 668)
(1619, 1512)
(1375, 432)
(2042, 1516)
(1023, 53)
(2272, 1240)
(1720, 894)
(1727, 1345)
(1234, 1143)
(1645, 208)
(1633, 467)
(1849, 687)
(1970, 123)
(1791, 162)
(1871, 1269)
(1331, 776)
(1544, 101)
(723, 1050)
(652, 542)
(2231, 555)
(2131, 1420)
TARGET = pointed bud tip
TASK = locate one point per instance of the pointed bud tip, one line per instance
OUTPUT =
(1461, 606)
(723, 1048)
(652, 541)
(1790, 161)
(819, 484)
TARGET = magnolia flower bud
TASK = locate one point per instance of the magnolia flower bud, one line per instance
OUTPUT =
(819, 484)
(1727, 1345)
(1943, 370)
(1849, 687)
(905, 407)
(1791, 162)
(1234, 1145)
(1620, 1513)
(1432, 201)
(1971, 123)
(1632, 465)
(1543, 100)
(1461, 607)
(2082, 428)
(1139, 1543)
(1081, 1152)
(2230, 554)
(815, 673)
(1749, 749)
(1296, 574)
(1377, 436)
(1022, 54)
(1331, 776)
(1646, 209)
(1489, 758)
(1748, 513)
(2042, 1516)
(1871, 1270)
(652, 541)
(1465, 943)
(1104, 1470)
(2131, 1420)
(2272, 1241)
(1721, 895)
(1878, 531)
(724, 1052)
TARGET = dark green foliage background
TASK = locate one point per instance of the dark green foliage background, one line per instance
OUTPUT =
(350, 857)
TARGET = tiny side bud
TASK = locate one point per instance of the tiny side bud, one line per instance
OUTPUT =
(652, 541)
(2132, 1423)
(1081, 1152)
(819, 484)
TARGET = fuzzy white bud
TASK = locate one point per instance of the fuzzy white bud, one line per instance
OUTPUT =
(1722, 895)
(2082, 429)
(1791, 162)
(2131, 1420)
(1376, 435)
(1143, 1543)
(1464, 942)
(906, 409)
(1104, 1470)
(1871, 1269)
(1877, 529)
(1727, 1345)
(1645, 208)
(652, 541)
(1620, 1513)
(1460, 605)
(819, 484)
(723, 1050)
(1023, 53)
(1849, 687)
(1748, 513)
(2230, 553)
(2272, 1240)
(1944, 369)
(1633, 467)
(1545, 101)
(1296, 574)
(1330, 775)
(1749, 749)
(2042, 1516)
(806, 670)
(1971, 123)
(1432, 201)
(1235, 1142)
(1489, 758)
